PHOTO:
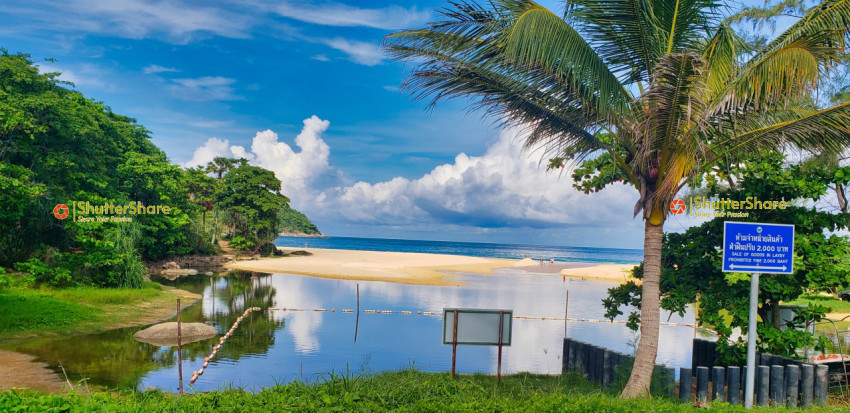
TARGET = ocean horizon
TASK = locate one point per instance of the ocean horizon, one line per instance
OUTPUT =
(473, 249)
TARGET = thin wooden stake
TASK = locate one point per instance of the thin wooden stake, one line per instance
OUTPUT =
(501, 327)
(454, 343)
(179, 347)
(357, 320)
(566, 311)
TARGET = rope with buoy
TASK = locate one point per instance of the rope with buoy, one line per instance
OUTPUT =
(221, 341)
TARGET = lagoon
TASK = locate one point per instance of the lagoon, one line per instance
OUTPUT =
(280, 346)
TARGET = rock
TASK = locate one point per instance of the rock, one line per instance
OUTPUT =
(208, 273)
(165, 334)
(173, 274)
(171, 265)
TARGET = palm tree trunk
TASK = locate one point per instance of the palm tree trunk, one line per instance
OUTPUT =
(215, 227)
(650, 315)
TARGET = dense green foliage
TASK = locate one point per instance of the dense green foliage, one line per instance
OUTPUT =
(692, 260)
(404, 391)
(58, 147)
(294, 221)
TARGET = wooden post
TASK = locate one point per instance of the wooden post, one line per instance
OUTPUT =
(792, 380)
(670, 381)
(702, 384)
(501, 326)
(807, 385)
(718, 381)
(179, 348)
(733, 385)
(454, 343)
(777, 384)
(357, 319)
(606, 368)
(566, 312)
(821, 384)
(762, 385)
(685, 375)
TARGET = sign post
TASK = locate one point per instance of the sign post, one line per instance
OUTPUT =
(477, 327)
(757, 248)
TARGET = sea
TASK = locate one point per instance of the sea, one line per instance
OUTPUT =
(473, 249)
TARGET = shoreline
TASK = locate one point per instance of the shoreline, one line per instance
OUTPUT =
(416, 268)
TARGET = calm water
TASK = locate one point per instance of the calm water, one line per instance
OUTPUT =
(276, 347)
(474, 249)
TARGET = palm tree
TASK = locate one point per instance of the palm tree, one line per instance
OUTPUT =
(663, 89)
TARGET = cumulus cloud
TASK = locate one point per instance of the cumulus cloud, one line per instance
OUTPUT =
(213, 148)
(505, 187)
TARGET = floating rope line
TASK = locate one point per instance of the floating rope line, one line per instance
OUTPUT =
(518, 317)
(221, 341)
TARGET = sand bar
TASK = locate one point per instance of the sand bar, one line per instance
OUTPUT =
(410, 268)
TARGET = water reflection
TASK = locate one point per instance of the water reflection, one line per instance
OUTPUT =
(276, 346)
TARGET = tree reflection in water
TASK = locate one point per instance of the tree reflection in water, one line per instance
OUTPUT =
(114, 359)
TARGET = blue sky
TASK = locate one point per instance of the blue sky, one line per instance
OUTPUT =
(303, 88)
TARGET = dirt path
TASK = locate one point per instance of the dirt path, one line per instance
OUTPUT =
(20, 371)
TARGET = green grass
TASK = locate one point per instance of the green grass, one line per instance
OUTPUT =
(47, 311)
(403, 391)
(835, 305)
(100, 296)
(28, 310)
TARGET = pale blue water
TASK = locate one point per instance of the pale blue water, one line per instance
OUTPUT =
(474, 249)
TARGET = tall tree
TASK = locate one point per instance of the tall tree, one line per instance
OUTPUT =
(669, 84)
(220, 166)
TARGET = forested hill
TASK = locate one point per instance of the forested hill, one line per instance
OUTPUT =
(296, 223)
(74, 176)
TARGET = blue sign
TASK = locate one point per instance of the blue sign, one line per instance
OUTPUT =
(757, 247)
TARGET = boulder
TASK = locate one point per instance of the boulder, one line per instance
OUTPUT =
(174, 274)
(165, 334)
(171, 265)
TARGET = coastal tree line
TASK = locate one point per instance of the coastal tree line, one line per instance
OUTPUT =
(658, 95)
(57, 146)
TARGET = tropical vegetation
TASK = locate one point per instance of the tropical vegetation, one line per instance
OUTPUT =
(652, 93)
(58, 147)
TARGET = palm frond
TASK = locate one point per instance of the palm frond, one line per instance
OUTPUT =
(823, 131)
(792, 64)
(539, 39)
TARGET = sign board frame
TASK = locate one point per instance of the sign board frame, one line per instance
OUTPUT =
(757, 244)
(507, 317)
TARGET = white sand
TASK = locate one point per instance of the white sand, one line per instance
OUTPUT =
(404, 267)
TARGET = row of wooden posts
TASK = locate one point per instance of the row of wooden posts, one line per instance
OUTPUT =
(791, 385)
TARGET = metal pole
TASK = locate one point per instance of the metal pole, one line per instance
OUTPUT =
(499, 368)
(179, 348)
(751, 342)
(566, 311)
(454, 343)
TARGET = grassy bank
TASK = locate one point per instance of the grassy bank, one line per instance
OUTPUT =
(394, 391)
(45, 312)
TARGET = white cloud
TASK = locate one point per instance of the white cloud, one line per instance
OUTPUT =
(81, 76)
(321, 58)
(174, 21)
(338, 14)
(158, 69)
(214, 147)
(204, 88)
(503, 188)
(364, 53)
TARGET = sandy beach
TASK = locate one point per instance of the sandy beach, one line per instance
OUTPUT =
(415, 268)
